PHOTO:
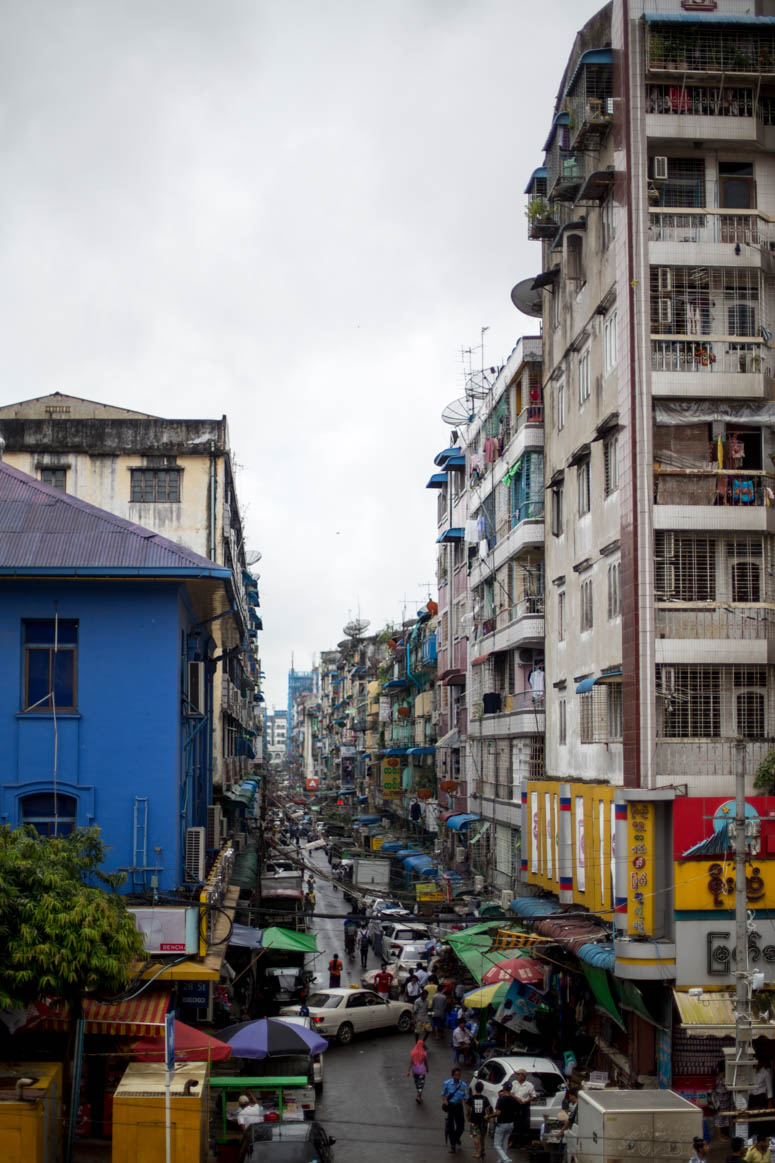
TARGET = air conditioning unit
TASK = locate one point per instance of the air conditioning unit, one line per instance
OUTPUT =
(664, 279)
(478, 884)
(195, 854)
(659, 169)
(460, 853)
(665, 311)
(224, 829)
(668, 680)
(506, 898)
(664, 545)
(526, 655)
(196, 689)
(214, 821)
(168, 930)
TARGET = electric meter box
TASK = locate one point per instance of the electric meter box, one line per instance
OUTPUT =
(738, 1075)
(168, 930)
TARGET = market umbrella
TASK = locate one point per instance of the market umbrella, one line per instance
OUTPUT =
(525, 969)
(269, 1037)
(190, 1046)
(486, 995)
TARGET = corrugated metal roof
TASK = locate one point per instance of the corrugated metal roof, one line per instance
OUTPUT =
(699, 18)
(43, 529)
(712, 1015)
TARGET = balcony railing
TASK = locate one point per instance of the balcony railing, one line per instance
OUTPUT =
(534, 415)
(710, 49)
(744, 622)
(697, 355)
(742, 488)
(702, 225)
(531, 510)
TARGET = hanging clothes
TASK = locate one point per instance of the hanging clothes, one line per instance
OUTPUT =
(471, 531)
(490, 450)
(537, 682)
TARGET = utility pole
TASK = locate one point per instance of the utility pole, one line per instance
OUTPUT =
(742, 1072)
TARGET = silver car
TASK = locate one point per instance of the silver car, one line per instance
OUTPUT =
(341, 1013)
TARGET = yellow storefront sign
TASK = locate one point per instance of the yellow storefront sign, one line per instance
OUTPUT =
(709, 884)
(391, 776)
(640, 869)
(377, 842)
(428, 891)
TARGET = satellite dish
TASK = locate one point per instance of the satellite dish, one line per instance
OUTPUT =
(526, 300)
(458, 412)
(356, 628)
(253, 556)
(477, 389)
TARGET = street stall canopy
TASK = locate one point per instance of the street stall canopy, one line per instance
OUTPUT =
(464, 820)
(486, 995)
(287, 940)
(190, 1046)
(420, 863)
(140, 1015)
(526, 969)
(712, 1015)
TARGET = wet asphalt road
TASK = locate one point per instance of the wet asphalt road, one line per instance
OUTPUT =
(368, 1102)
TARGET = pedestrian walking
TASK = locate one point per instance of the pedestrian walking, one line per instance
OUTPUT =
(335, 968)
(524, 1092)
(506, 1108)
(418, 1067)
(308, 906)
(438, 1014)
(376, 941)
(758, 1153)
(701, 1149)
(363, 941)
(383, 980)
(422, 1024)
(412, 988)
(454, 1093)
(479, 1113)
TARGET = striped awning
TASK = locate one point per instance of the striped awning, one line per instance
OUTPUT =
(140, 1015)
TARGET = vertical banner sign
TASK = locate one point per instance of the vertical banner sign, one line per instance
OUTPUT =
(557, 837)
(534, 834)
(581, 872)
(601, 839)
(612, 823)
(391, 776)
(548, 833)
(169, 1041)
(640, 868)
(384, 710)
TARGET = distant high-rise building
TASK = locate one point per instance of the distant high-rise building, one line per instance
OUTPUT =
(298, 682)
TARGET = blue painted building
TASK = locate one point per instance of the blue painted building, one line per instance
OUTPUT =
(106, 667)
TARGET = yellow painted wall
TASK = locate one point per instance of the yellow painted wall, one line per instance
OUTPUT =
(31, 1132)
(138, 1115)
(596, 892)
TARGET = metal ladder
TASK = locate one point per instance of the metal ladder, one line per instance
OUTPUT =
(140, 843)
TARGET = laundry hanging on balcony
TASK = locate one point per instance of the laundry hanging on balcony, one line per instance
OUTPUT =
(707, 411)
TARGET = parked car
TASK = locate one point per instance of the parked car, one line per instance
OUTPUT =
(547, 1079)
(396, 934)
(288, 1142)
(341, 1013)
(411, 956)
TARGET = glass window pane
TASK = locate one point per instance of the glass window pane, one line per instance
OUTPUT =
(64, 678)
(38, 680)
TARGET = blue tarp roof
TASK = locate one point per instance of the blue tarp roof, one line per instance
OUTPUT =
(421, 751)
(402, 852)
(456, 533)
(396, 751)
(704, 18)
(456, 462)
(391, 846)
(437, 481)
(531, 906)
(462, 821)
(421, 863)
(368, 820)
(601, 956)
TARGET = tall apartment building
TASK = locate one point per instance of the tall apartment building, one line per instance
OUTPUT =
(276, 735)
(654, 207)
(175, 477)
(299, 682)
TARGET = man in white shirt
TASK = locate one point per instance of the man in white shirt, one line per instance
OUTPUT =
(524, 1092)
(250, 1110)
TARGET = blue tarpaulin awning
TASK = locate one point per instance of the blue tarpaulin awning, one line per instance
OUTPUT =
(593, 56)
(396, 751)
(437, 481)
(402, 852)
(420, 864)
(394, 684)
(530, 906)
(421, 751)
(601, 956)
(368, 820)
(586, 684)
(462, 821)
(455, 533)
(456, 462)
(391, 846)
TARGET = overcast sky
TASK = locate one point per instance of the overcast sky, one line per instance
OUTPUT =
(296, 212)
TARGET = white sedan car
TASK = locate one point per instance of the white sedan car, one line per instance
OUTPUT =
(547, 1079)
(411, 957)
(340, 1013)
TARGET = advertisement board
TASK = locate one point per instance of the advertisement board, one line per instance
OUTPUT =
(705, 951)
(391, 776)
(640, 869)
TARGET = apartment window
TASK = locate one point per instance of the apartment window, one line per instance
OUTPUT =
(736, 185)
(558, 504)
(50, 661)
(574, 253)
(705, 301)
(587, 606)
(561, 406)
(584, 377)
(750, 683)
(152, 485)
(614, 590)
(56, 477)
(561, 616)
(691, 701)
(562, 723)
(611, 463)
(610, 347)
(608, 222)
(583, 487)
(685, 185)
(586, 718)
(745, 568)
(685, 567)
(48, 814)
(614, 709)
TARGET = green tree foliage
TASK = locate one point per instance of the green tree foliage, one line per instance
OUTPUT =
(64, 929)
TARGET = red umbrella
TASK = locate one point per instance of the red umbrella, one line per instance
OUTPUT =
(190, 1046)
(525, 969)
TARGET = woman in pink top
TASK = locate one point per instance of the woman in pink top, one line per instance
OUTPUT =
(418, 1067)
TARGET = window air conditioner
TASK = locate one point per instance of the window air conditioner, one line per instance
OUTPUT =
(460, 853)
(506, 898)
(195, 854)
(659, 169)
(526, 655)
(664, 279)
(196, 689)
(214, 824)
(665, 311)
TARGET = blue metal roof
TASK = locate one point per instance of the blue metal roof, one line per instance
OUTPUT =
(593, 56)
(704, 18)
(586, 684)
(437, 481)
(391, 846)
(44, 531)
(533, 907)
(456, 823)
(601, 956)
(421, 751)
(442, 457)
(456, 533)
(560, 119)
(539, 173)
(396, 751)
(456, 462)
(421, 863)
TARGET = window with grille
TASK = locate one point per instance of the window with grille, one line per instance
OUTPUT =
(705, 301)
(536, 764)
(56, 477)
(691, 701)
(614, 590)
(610, 343)
(583, 487)
(750, 704)
(584, 376)
(614, 709)
(574, 253)
(746, 558)
(562, 723)
(151, 485)
(611, 463)
(558, 499)
(587, 607)
(685, 567)
(586, 718)
(561, 616)
(685, 185)
(561, 406)
(608, 221)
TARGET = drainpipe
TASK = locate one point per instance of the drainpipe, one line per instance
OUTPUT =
(409, 674)
(212, 500)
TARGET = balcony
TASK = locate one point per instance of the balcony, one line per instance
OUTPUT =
(705, 766)
(521, 714)
(696, 368)
(709, 49)
(746, 622)
(708, 113)
(737, 488)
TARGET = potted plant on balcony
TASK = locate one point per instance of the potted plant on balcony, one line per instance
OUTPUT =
(539, 214)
